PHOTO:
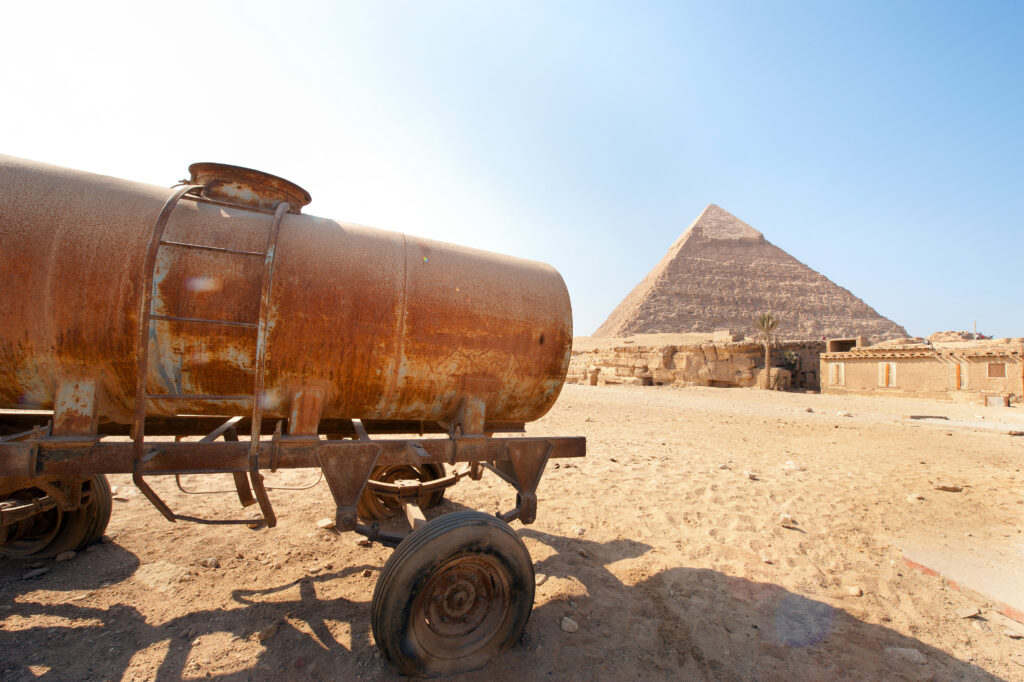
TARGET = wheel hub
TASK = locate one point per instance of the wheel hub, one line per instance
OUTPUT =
(461, 605)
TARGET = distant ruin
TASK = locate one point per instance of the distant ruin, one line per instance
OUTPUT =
(721, 273)
(946, 366)
(721, 359)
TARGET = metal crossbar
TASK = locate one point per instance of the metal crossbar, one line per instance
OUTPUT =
(218, 249)
(200, 320)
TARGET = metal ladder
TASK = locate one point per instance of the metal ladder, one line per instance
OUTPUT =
(146, 319)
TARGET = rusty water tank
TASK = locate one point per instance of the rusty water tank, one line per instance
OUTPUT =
(375, 324)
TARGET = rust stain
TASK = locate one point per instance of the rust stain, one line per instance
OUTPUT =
(74, 409)
(388, 327)
(238, 185)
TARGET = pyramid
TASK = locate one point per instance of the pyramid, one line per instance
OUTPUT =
(721, 273)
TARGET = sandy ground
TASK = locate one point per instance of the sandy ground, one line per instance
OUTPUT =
(671, 559)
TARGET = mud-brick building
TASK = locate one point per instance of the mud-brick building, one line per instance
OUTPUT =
(980, 372)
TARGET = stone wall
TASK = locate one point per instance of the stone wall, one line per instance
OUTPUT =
(723, 363)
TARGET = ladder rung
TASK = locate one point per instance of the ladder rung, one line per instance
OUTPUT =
(185, 396)
(215, 202)
(219, 249)
(230, 323)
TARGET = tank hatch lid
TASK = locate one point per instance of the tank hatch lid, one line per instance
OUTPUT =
(247, 187)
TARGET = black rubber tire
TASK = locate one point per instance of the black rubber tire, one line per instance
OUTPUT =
(373, 507)
(78, 528)
(473, 575)
(101, 504)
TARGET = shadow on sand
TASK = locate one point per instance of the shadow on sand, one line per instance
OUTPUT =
(678, 623)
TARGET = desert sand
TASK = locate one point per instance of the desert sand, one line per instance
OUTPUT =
(722, 534)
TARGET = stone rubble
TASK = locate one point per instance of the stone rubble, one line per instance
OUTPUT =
(907, 654)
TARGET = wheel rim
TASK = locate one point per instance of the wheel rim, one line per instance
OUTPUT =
(461, 607)
(34, 534)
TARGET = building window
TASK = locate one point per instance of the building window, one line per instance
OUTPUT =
(996, 370)
(886, 374)
(837, 373)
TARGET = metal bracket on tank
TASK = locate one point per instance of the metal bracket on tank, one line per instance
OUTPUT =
(347, 468)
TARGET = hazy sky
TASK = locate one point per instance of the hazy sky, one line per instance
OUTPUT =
(880, 143)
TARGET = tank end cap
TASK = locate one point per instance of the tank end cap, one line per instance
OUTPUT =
(247, 187)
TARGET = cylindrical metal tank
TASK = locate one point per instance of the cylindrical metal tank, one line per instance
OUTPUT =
(379, 325)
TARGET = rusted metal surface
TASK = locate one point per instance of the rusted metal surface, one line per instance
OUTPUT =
(347, 469)
(66, 490)
(28, 522)
(54, 465)
(128, 311)
(463, 598)
(238, 185)
(19, 425)
(255, 477)
(382, 325)
(141, 311)
(75, 408)
(523, 469)
(52, 459)
(15, 511)
(389, 486)
(413, 514)
(145, 312)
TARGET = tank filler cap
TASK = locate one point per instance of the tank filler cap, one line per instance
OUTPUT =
(247, 187)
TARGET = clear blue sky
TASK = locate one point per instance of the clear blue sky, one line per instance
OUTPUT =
(881, 143)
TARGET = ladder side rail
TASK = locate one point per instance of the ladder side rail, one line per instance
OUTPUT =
(145, 310)
(261, 367)
(138, 432)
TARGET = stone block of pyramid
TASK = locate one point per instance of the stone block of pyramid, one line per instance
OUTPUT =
(721, 273)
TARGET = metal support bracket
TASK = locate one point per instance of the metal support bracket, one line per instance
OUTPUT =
(256, 479)
(29, 457)
(413, 514)
(241, 482)
(150, 494)
(373, 532)
(347, 469)
(523, 470)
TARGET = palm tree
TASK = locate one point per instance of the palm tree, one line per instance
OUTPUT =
(766, 324)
